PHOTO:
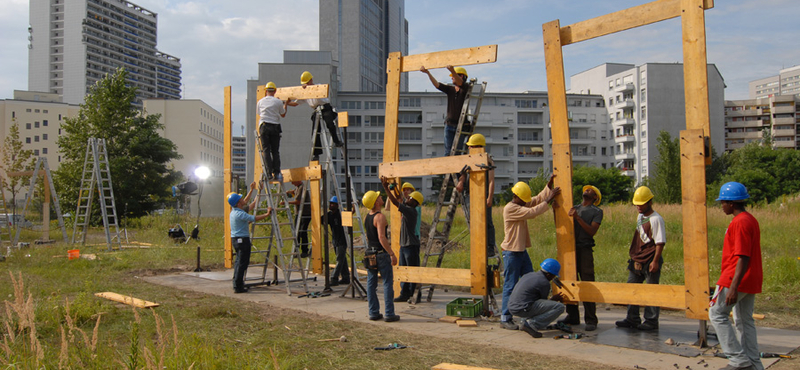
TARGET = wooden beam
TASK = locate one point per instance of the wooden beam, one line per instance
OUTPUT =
(562, 156)
(457, 57)
(303, 92)
(316, 227)
(391, 145)
(257, 167)
(477, 229)
(228, 178)
(695, 224)
(432, 275)
(637, 16)
(136, 302)
(432, 166)
(695, 68)
(449, 366)
(669, 296)
(312, 172)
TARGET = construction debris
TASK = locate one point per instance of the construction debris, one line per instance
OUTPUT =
(136, 302)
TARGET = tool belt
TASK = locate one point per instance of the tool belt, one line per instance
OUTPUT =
(371, 258)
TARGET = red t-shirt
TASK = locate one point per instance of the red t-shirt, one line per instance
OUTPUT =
(743, 238)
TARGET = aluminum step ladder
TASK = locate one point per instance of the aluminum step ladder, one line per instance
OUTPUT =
(41, 162)
(96, 173)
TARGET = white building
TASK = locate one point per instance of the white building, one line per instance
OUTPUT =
(75, 43)
(644, 100)
(747, 121)
(787, 82)
(239, 156)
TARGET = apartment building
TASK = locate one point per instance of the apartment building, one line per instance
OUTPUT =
(749, 120)
(787, 82)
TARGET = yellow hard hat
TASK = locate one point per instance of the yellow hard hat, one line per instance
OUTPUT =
(523, 191)
(368, 200)
(407, 185)
(417, 196)
(460, 70)
(305, 77)
(271, 86)
(476, 140)
(596, 191)
(642, 195)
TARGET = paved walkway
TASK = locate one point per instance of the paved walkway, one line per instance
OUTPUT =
(608, 345)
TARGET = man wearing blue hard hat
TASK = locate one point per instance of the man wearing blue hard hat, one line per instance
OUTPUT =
(529, 300)
(341, 274)
(740, 280)
(240, 219)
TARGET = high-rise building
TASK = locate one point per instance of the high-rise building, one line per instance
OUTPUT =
(239, 156)
(75, 43)
(644, 100)
(360, 34)
(747, 121)
(787, 82)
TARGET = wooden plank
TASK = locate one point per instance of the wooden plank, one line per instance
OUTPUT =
(228, 179)
(130, 301)
(449, 366)
(449, 319)
(457, 57)
(302, 92)
(347, 218)
(391, 143)
(257, 168)
(432, 275)
(312, 172)
(316, 227)
(637, 16)
(695, 224)
(432, 166)
(695, 68)
(466, 323)
(669, 296)
(479, 283)
(342, 119)
(562, 156)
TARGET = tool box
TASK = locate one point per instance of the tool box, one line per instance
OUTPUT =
(465, 307)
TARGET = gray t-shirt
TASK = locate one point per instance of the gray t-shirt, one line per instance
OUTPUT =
(408, 226)
(589, 214)
(531, 287)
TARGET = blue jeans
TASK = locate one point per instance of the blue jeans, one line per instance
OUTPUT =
(541, 313)
(385, 269)
(516, 264)
(650, 313)
(740, 345)
(409, 256)
(449, 137)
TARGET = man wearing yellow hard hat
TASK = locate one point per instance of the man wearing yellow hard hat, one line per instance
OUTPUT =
(409, 240)
(645, 260)
(270, 112)
(587, 218)
(517, 240)
(479, 141)
(456, 94)
(329, 115)
(379, 259)
(240, 219)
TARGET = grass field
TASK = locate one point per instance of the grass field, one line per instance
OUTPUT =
(192, 330)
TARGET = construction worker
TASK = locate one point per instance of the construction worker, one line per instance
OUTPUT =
(329, 116)
(529, 299)
(407, 189)
(645, 260)
(740, 280)
(341, 274)
(456, 95)
(305, 218)
(378, 246)
(479, 141)
(587, 218)
(240, 218)
(409, 241)
(270, 112)
(517, 239)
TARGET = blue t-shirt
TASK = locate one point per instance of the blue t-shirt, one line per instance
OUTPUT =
(239, 223)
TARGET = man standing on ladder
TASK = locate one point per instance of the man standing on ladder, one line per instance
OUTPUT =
(328, 115)
(409, 241)
(479, 141)
(301, 195)
(380, 251)
(341, 274)
(240, 218)
(270, 111)
(456, 94)
(517, 238)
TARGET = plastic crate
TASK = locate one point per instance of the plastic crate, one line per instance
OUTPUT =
(465, 307)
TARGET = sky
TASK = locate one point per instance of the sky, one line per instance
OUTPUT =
(220, 43)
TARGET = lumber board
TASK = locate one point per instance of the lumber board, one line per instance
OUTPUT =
(695, 224)
(342, 119)
(466, 323)
(477, 231)
(637, 16)
(695, 67)
(432, 275)
(456, 57)
(432, 166)
(227, 174)
(449, 366)
(302, 92)
(391, 144)
(257, 167)
(312, 172)
(130, 301)
(449, 319)
(316, 227)
(669, 296)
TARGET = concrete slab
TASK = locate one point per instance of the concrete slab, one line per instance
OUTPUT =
(608, 345)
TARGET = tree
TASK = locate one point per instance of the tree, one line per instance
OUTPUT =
(767, 172)
(613, 185)
(15, 159)
(139, 158)
(666, 182)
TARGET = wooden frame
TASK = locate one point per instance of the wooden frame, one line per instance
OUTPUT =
(475, 277)
(693, 295)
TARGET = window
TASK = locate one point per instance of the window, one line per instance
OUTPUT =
(409, 117)
(44, 111)
(643, 77)
(374, 121)
(28, 110)
(28, 126)
(36, 124)
(410, 102)
(373, 154)
(354, 137)
(44, 122)
(644, 112)
(13, 114)
(603, 152)
(36, 138)
(44, 136)
(36, 152)
(27, 140)
(44, 150)
(410, 134)
(350, 105)
(353, 121)
(354, 154)
(374, 105)
(36, 110)
(525, 103)
(610, 84)
(529, 118)
(355, 170)
(373, 137)
(643, 96)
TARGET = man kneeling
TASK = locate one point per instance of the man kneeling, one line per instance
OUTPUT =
(529, 300)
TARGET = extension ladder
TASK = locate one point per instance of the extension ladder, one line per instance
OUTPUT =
(96, 172)
(42, 162)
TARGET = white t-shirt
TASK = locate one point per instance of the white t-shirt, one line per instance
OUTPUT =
(657, 227)
(313, 103)
(270, 109)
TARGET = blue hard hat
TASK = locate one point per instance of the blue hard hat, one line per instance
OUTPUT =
(733, 191)
(233, 199)
(551, 266)
(334, 199)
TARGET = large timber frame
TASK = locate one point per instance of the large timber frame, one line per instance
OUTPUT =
(693, 296)
(475, 277)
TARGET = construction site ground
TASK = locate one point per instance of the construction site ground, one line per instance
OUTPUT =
(608, 345)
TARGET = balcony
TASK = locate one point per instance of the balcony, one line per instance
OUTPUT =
(737, 124)
(783, 109)
(624, 156)
(625, 104)
(743, 135)
(784, 144)
(785, 132)
(630, 172)
(624, 121)
(625, 87)
(625, 138)
(784, 121)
